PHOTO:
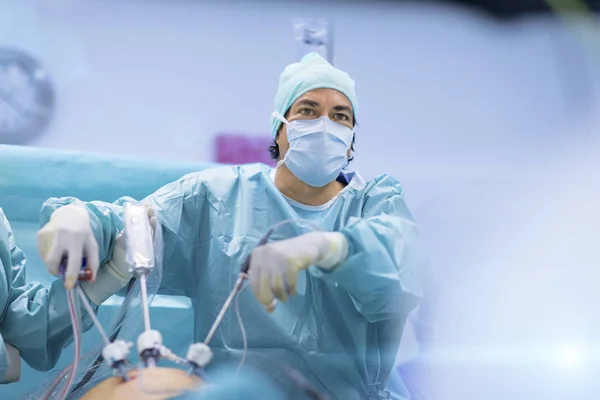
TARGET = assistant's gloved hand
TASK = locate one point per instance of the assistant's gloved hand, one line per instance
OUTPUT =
(68, 233)
(274, 267)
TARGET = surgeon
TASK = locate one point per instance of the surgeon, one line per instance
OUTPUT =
(329, 302)
(35, 322)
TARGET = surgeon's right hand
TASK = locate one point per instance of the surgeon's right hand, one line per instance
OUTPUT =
(68, 234)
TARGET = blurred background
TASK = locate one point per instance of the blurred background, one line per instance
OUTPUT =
(486, 111)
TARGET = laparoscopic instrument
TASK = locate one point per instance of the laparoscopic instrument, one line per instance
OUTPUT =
(143, 255)
(202, 348)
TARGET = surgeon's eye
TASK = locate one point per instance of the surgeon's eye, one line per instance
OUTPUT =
(341, 117)
(307, 111)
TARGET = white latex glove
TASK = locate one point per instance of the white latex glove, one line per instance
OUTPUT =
(274, 267)
(68, 233)
(114, 274)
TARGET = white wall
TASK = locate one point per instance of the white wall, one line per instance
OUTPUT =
(439, 89)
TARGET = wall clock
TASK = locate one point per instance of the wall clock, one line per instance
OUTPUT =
(26, 97)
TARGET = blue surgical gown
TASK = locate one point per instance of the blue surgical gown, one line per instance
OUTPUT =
(35, 320)
(342, 333)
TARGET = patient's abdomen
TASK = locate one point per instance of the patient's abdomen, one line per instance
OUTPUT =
(147, 384)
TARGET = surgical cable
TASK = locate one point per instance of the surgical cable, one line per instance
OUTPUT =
(72, 369)
(77, 343)
(84, 274)
(77, 349)
(242, 329)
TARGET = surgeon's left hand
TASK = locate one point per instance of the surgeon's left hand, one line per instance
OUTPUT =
(274, 267)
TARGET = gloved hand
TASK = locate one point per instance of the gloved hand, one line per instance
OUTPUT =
(115, 274)
(274, 267)
(68, 233)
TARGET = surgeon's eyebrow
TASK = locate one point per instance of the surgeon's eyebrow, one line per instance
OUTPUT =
(307, 102)
(343, 108)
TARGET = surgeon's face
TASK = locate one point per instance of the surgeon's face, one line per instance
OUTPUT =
(313, 105)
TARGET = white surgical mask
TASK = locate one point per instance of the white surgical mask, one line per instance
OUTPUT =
(318, 149)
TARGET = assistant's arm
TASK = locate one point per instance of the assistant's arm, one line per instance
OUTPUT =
(380, 271)
(179, 206)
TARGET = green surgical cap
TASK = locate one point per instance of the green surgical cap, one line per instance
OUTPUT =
(312, 72)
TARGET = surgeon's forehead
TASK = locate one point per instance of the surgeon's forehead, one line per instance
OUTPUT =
(319, 97)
